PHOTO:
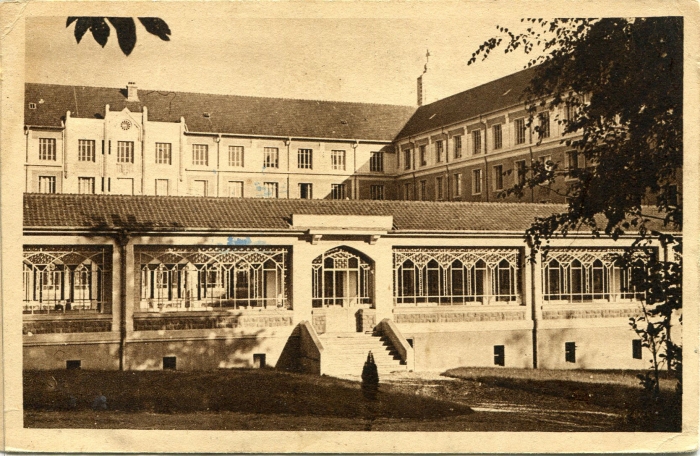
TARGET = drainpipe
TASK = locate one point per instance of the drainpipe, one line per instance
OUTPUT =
(63, 149)
(355, 189)
(218, 164)
(288, 143)
(486, 164)
(122, 240)
(26, 159)
(532, 190)
(144, 119)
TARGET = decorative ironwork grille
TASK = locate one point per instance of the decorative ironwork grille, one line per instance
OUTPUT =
(579, 275)
(200, 278)
(455, 276)
(341, 278)
(61, 279)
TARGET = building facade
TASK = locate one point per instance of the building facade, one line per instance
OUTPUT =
(146, 282)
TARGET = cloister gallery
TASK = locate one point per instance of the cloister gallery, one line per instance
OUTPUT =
(148, 282)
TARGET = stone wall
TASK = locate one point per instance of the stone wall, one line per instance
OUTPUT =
(179, 321)
(569, 314)
(66, 325)
(437, 316)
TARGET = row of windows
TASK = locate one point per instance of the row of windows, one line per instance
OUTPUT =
(234, 189)
(200, 155)
(499, 352)
(476, 143)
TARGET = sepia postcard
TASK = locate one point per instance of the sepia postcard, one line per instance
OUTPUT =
(349, 227)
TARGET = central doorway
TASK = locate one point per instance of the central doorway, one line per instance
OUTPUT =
(342, 284)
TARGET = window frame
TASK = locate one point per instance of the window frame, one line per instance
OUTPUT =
(310, 190)
(338, 159)
(476, 142)
(271, 157)
(163, 153)
(520, 127)
(47, 149)
(82, 180)
(236, 156)
(477, 185)
(520, 173)
(440, 188)
(407, 158)
(125, 152)
(376, 192)
(457, 146)
(338, 192)
(497, 133)
(271, 190)
(376, 162)
(439, 149)
(498, 181)
(545, 127)
(86, 150)
(200, 155)
(51, 181)
(230, 186)
(457, 185)
(423, 154)
(305, 158)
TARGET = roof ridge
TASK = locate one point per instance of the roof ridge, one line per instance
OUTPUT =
(226, 95)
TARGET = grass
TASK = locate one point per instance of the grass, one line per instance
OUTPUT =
(240, 390)
(463, 399)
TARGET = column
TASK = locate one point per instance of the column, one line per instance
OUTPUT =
(383, 282)
(302, 256)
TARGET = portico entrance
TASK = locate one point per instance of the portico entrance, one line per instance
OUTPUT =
(342, 284)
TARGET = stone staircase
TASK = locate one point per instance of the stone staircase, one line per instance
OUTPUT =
(345, 354)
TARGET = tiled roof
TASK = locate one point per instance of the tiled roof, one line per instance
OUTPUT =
(492, 96)
(178, 213)
(227, 113)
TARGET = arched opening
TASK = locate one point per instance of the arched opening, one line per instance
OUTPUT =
(342, 277)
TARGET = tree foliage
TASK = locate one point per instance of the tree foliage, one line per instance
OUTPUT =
(620, 83)
(124, 26)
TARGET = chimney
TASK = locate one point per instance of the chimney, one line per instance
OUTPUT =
(132, 92)
(419, 90)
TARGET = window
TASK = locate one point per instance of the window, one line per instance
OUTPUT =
(86, 185)
(235, 189)
(585, 275)
(520, 131)
(164, 153)
(407, 159)
(458, 185)
(66, 279)
(570, 352)
(235, 156)
(457, 141)
(455, 276)
(200, 155)
(200, 188)
(637, 349)
(124, 186)
(499, 355)
(162, 187)
(376, 192)
(338, 191)
(544, 124)
(338, 159)
(497, 137)
(498, 177)
(476, 182)
(439, 146)
(125, 151)
(259, 360)
(407, 192)
(476, 142)
(376, 162)
(574, 160)
(520, 172)
(212, 278)
(47, 149)
(305, 159)
(169, 363)
(86, 150)
(422, 191)
(306, 191)
(270, 190)
(340, 277)
(440, 187)
(423, 155)
(271, 157)
(47, 184)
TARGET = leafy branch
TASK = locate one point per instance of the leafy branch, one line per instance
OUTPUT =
(124, 26)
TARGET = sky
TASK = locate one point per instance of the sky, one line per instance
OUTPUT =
(359, 59)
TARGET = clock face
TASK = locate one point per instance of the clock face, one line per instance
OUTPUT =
(126, 124)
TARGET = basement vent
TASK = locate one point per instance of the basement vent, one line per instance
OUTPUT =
(259, 360)
(169, 363)
(637, 349)
(73, 364)
(32, 105)
(499, 355)
(207, 115)
(570, 352)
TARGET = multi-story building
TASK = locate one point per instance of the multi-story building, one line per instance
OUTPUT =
(140, 272)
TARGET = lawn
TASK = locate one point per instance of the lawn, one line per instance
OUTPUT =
(463, 399)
